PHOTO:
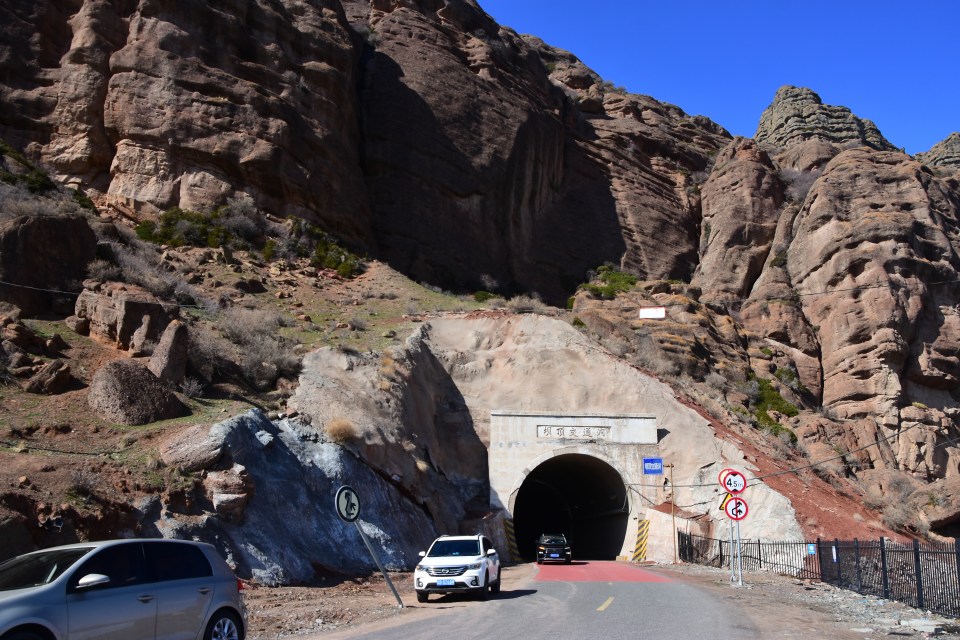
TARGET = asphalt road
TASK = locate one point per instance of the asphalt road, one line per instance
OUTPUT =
(583, 600)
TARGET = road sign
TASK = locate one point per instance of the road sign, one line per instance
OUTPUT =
(811, 549)
(653, 466)
(733, 481)
(726, 499)
(347, 503)
(736, 508)
(653, 313)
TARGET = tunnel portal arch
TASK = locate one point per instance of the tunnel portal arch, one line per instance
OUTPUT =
(578, 495)
(579, 474)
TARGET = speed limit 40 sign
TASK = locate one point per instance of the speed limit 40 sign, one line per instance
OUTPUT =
(732, 481)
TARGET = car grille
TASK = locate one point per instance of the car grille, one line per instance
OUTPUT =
(446, 571)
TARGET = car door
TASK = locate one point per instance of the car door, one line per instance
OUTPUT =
(123, 608)
(184, 584)
(493, 562)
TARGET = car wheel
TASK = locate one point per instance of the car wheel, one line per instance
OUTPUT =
(485, 589)
(422, 596)
(539, 561)
(224, 625)
(495, 587)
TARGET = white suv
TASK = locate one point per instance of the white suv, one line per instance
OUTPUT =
(458, 564)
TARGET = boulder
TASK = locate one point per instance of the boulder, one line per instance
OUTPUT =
(127, 392)
(9, 313)
(80, 326)
(170, 356)
(53, 378)
(31, 276)
(22, 336)
(193, 449)
(230, 491)
(140, 341)
(116, 311)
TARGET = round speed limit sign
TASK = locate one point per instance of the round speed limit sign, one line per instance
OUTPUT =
(732, 481)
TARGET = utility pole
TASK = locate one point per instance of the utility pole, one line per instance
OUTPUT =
(673, 511)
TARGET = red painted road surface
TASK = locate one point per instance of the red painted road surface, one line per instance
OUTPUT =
(595, 571)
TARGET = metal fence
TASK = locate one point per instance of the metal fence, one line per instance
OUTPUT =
(923, 576)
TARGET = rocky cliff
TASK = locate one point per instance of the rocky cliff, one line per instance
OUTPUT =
(945, 153)
(508, 153)
(798, 114)
(160, 104)
(809, 275)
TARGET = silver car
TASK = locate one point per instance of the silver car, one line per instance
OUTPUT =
(121, 589)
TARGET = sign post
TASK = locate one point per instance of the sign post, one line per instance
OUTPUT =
(347, 503)
(734, 482)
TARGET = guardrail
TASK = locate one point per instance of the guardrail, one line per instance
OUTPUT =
(923, 576)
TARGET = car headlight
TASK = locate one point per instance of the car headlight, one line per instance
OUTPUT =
(541, 549)
(420, 567)
(475, 565)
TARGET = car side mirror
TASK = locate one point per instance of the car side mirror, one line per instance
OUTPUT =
(422, 554)
(92, 580)
(491, 552)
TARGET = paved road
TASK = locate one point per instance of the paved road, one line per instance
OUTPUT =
(583, 600)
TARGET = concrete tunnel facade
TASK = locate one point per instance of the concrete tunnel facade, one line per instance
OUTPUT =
(581, 475)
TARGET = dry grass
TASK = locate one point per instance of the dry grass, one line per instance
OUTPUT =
(527, 304)
(340, 430)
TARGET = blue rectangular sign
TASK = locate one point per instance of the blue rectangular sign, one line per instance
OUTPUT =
(653, 466)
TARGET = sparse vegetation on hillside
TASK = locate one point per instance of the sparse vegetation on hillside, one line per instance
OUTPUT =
(34, 179)
(799, 182)
(340, 430)
(612, 282)
(769, 399)
(240, 226)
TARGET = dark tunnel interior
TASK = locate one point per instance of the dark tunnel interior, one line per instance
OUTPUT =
(577, 495)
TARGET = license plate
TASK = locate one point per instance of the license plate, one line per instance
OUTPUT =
(445, 582)
(554, 555)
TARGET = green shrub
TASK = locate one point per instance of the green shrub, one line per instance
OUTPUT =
(613, 282)
(482, 296)
(81, 199)
(790, 378)
(35, 180)
(269, 249)
(38, 181)
(769, 399)
(180, 227)
(577, 322)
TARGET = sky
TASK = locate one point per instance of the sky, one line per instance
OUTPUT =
(896, 63)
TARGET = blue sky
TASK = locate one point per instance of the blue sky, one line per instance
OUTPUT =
(895, 63)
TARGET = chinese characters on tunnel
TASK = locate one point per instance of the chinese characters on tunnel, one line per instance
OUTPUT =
(579, 433)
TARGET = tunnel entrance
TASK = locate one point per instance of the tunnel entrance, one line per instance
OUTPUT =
(578, 495)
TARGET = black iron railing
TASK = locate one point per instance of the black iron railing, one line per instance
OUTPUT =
(923, 576)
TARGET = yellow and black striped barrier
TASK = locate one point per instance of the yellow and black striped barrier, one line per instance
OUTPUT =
(511, 541)
(643, 534)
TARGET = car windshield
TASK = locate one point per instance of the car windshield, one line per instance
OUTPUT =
(553, 540)
(36, 569)
(455, 548)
